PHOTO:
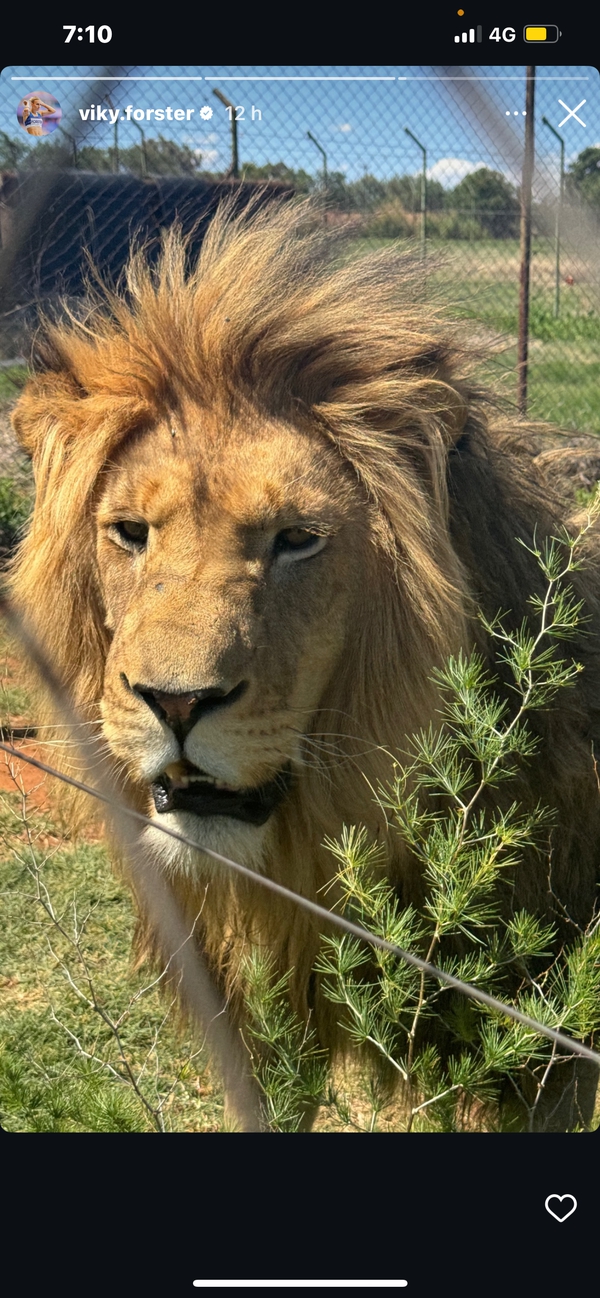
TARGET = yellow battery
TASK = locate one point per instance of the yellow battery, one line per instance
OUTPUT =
(535, 33)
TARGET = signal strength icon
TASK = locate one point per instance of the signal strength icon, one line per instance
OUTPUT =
(469, 36)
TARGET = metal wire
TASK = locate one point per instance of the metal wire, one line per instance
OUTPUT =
(329, 916)
(108, 191)
(40, 256)
(198, 988)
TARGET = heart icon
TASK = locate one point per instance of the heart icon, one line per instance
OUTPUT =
(562, 1209)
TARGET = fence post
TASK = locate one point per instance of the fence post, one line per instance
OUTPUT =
(561, 185)
(144, 166)
(324, 155)
(234, 170)
(423, 192)
(73, 144)
(525, 270)
(116, 145)
(325, 176)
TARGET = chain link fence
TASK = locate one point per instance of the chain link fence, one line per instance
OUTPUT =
(432, 159)
(429, 158)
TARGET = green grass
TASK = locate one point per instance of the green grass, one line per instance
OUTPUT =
(14, 699)
(46, 1083)
(16, 486)
(567, 393)
(478, 283)
(563, 352)
(13, 702)
(563, 382)
(16, 501)
(12, 379)
(563, 367)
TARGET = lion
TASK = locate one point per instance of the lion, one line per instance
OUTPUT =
(269, 502)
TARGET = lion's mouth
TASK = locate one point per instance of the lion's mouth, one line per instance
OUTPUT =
(183, 787)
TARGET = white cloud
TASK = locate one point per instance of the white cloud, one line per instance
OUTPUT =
(345, 127)
(572, 157)
(449, 171)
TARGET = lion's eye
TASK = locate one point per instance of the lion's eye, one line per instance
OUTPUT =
(131, 534)
(298, 543)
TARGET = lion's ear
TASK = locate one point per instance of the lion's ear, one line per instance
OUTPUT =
(46, 398)
(25, 424)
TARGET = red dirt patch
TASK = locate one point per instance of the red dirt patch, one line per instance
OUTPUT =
(16, 776)
(41, 791)
(48, 801)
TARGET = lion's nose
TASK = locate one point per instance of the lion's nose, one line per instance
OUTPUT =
(182, 711)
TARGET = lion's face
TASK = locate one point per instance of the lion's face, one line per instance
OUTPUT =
(231, 556)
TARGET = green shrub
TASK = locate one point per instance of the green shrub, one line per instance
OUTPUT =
(15, 508)
(12, 380)
(390, 221)
(455, 225)
(439, 802)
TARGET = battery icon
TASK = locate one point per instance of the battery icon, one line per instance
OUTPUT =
(549, 34)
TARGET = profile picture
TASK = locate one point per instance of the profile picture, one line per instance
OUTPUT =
(39, 113)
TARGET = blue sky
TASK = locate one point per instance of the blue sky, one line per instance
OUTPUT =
(469, 117)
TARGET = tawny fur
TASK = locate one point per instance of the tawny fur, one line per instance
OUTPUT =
(271, 330)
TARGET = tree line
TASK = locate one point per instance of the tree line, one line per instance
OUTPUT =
(483, 203)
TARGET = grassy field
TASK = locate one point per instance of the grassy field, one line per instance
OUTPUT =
(479, 283)
(11, 382)
(76, 1023)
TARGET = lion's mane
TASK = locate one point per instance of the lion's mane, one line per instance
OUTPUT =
(273, 319)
